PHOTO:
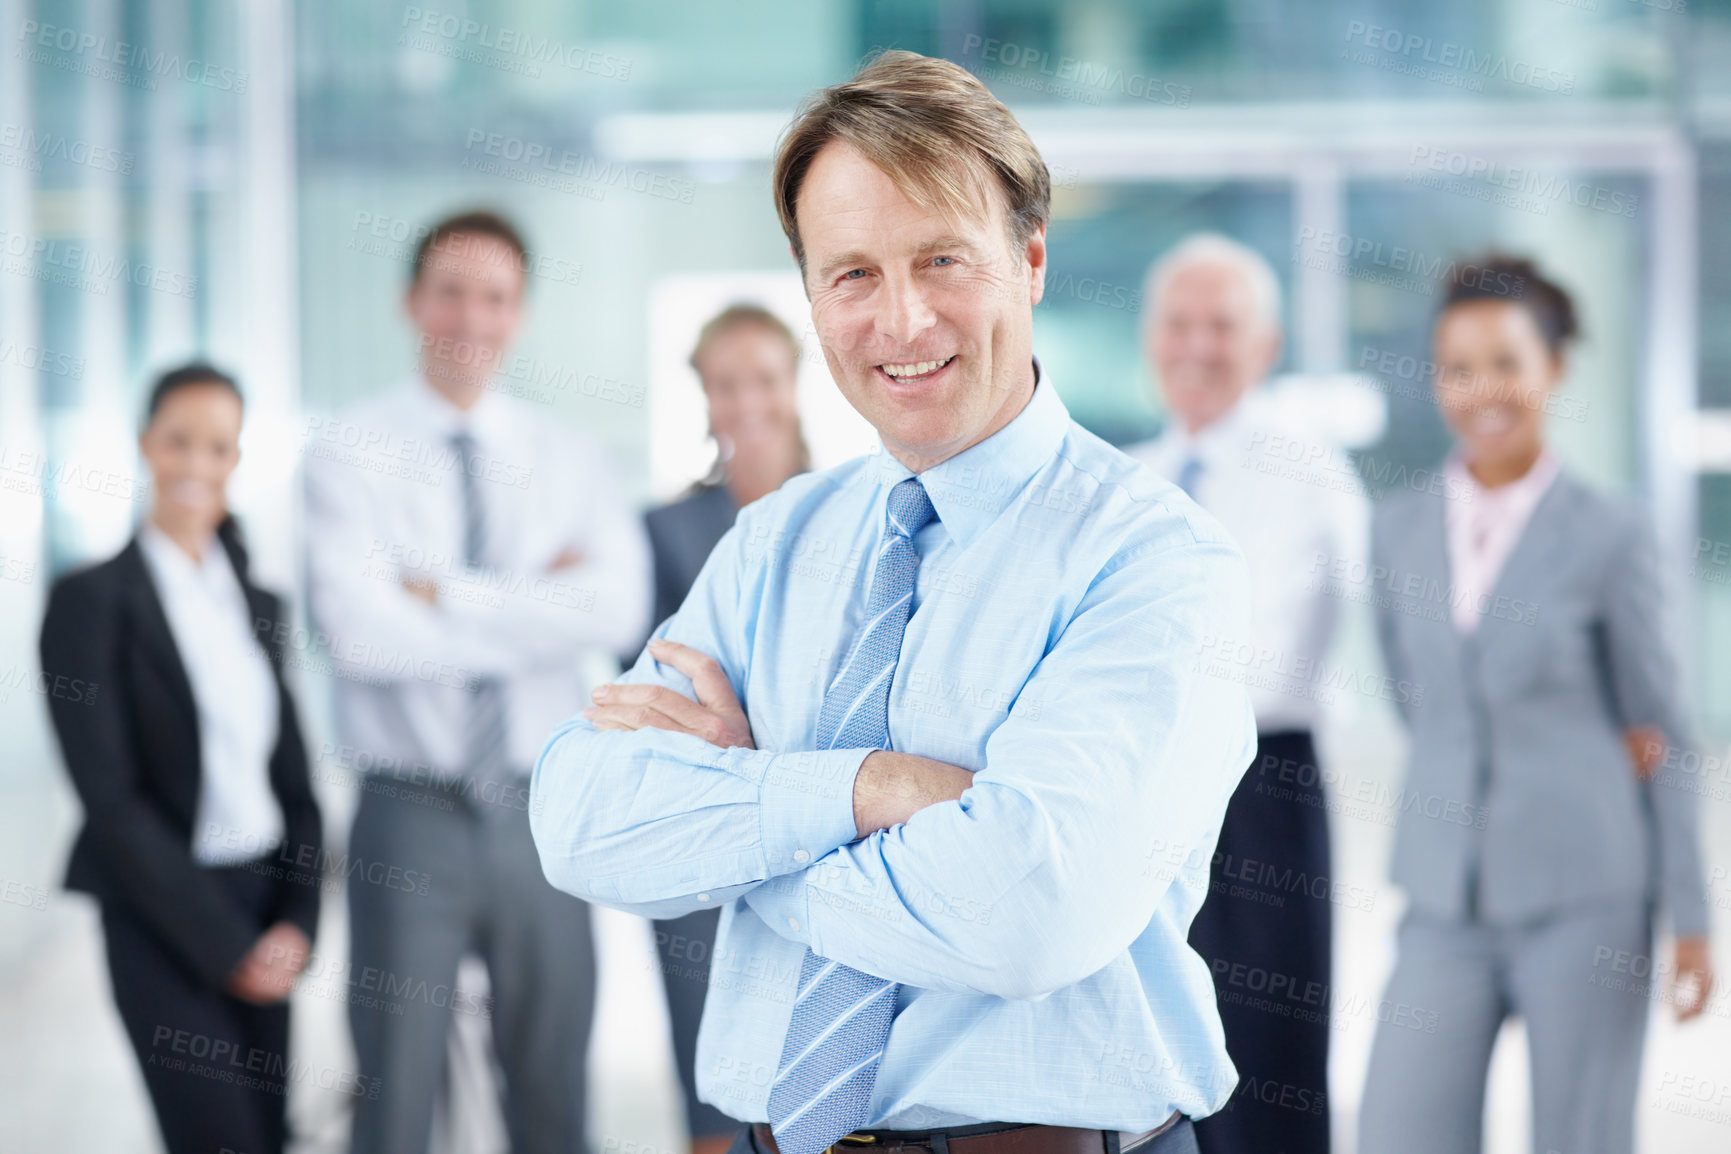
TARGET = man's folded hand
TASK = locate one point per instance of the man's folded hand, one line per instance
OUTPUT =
(715, 716)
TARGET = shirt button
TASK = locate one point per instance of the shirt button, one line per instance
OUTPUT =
(702, 897)
(793, 924)
(800, 855)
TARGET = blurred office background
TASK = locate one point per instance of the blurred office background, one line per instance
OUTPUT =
(242, 181)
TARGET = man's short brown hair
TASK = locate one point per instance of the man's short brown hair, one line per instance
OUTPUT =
(474, 222)
(933, 129)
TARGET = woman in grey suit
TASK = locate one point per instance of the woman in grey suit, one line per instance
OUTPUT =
(1543, 817)
(748, 362)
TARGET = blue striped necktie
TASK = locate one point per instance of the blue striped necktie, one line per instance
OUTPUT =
(841, 1017)
(485, 760)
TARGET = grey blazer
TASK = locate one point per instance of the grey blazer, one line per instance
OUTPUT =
(1520, 799)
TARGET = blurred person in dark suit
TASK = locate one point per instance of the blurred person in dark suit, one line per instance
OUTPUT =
(183, 746)
(748, 363)
(1554, 821)
(1212, 331)
(467, 555)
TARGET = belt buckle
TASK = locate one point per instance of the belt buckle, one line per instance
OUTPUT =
(857, 1137)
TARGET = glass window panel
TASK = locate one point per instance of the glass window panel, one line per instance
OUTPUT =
(1587, 232)
(1101, 241)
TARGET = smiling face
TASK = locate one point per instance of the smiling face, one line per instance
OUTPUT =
(191, 445)
(750, 377)
(926, 321)
(1494, 372)
(467, 304)
(1210, 341)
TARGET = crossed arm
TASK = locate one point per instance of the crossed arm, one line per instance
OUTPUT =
(1017, 879)
(386, 620)
(888, 789)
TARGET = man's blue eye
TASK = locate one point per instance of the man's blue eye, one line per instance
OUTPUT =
(951, 259)
(850, 275)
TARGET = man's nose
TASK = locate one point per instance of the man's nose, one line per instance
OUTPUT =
(473, 322)
(1201, 344)
(903, 313)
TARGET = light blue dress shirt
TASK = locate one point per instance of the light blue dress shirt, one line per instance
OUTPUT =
(1037, 924)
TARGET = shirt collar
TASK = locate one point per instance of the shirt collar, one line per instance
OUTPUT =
(970, 489)
(170, 561)
(1225, 432)
(483, 420)
(1521, 493)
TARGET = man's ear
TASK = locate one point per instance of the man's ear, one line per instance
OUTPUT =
(1276, 342)
(1036, 258)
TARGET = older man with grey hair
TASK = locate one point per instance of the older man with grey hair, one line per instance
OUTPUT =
(1212, 331)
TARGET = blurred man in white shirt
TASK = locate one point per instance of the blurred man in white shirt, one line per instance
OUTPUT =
(468, 556)
(1212, 332)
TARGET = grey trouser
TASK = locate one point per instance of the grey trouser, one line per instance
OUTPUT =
(1453, 985)
(431, 877)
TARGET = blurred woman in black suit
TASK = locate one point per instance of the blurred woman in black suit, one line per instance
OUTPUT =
(187, 756)
(748, 362)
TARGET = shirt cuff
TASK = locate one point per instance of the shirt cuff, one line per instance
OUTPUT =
(784, 904)
(804, 801)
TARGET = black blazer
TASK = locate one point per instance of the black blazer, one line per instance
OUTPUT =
(682, 535)
(128, 727)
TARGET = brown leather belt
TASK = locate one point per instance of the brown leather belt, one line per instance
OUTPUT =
(1029, 1139)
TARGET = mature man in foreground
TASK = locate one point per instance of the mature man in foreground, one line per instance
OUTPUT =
(929, 729)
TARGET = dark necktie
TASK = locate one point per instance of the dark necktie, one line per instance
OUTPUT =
(485, 757)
